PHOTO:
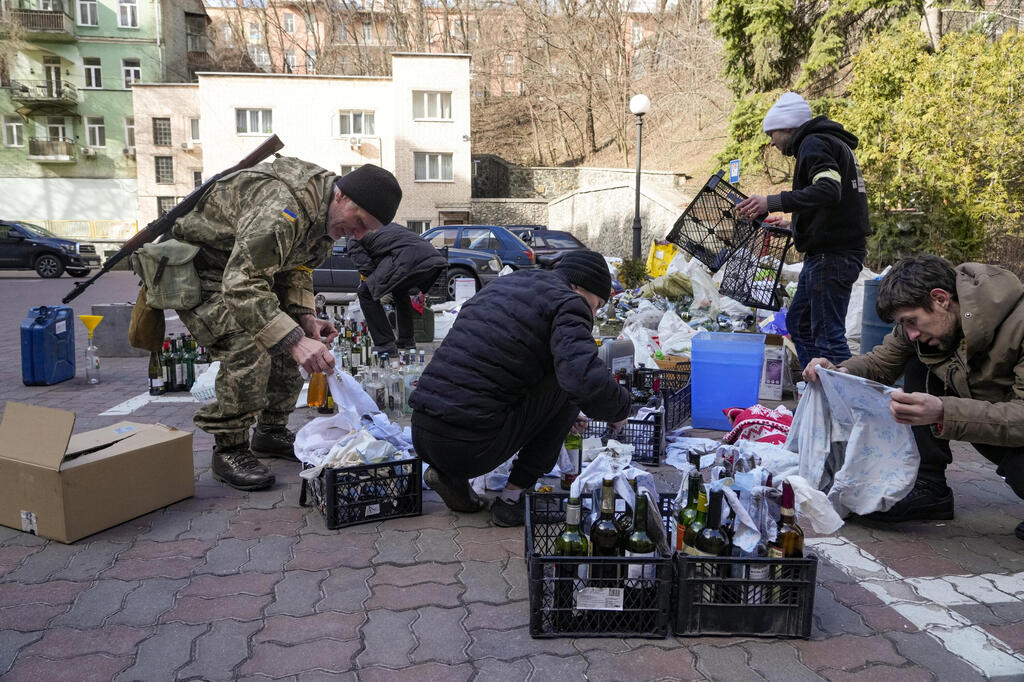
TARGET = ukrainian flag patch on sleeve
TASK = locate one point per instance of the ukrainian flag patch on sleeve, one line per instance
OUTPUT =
(288, 215)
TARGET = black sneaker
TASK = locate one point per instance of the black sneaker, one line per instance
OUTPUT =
(927, 501)
(457, 494)
(509, 514)
(273, 441)
(239, 469)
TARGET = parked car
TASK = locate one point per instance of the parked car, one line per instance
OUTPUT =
(498, 240)
(338, 274)
(548, 244)
(24, 246)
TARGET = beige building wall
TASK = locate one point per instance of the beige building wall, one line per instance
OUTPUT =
(180, 103)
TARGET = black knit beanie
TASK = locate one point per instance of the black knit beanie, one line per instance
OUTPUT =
(374, 190)
(587, 269)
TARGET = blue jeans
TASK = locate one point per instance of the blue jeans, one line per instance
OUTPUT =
(817, 317)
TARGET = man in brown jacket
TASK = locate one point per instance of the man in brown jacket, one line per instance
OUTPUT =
(959, 344)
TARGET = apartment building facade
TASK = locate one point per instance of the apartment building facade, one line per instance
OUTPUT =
(67, 155)
(415, 123)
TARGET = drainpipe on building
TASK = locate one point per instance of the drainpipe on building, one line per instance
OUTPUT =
(160, 39)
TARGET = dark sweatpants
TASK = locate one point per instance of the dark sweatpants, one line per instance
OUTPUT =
(935, 452)
(377, 319)
(535, 428)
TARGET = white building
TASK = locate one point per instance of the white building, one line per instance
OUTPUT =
(415, 123)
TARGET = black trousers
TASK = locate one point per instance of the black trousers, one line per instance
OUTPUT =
(535, 428)
(935, 452)
(377, 319)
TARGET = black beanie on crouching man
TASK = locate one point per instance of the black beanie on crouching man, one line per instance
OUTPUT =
(374, 190)
(588, 270)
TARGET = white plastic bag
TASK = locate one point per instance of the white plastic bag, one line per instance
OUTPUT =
(204, 387)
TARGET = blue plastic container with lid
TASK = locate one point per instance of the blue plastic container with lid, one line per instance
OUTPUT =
(48, 345)
(725, 371)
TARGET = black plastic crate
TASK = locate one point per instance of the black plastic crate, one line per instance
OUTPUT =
(675, 387)
(646, 436)
(751, 275)
(718, 596)
(365, 493)
(711, 229)
(643, 613)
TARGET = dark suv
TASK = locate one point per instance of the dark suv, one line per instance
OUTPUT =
(24, 246)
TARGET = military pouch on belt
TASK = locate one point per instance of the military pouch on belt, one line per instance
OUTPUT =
(169, 274)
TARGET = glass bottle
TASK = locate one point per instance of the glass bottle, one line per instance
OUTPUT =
(92, 363)
(396, 392)
(624, 521)
(156, 375)
(604, 539)
(713, 542)
(170, 369)
(574, 450)
(789, 541)
(688, 514)
(640, 545)
(189, 358)
(316, 394)
(570, 543)
(694, 528)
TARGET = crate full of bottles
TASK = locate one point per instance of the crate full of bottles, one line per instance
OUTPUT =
(362, 494)
(723, 590)
(597, 572)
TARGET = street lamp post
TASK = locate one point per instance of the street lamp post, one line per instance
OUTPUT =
(639, 105)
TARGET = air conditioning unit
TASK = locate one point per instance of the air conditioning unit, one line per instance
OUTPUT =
(354, 142)
(88, 151)
(188, 146)
(129, 152)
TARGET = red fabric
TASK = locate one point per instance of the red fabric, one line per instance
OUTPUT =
(758, 423)
(418, 302)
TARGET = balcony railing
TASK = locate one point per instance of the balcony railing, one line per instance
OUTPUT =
(44, 91)
(51, 149)
(57, 20)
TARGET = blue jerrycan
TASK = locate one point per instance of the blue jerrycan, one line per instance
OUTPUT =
(48, 345)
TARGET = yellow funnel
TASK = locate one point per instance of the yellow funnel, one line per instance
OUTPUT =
(90, 322)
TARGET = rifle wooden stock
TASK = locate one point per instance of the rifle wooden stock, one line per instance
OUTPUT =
(163, 224)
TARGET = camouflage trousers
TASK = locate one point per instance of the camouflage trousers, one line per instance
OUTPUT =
(251, 384)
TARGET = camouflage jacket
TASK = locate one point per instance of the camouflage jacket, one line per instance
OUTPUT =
(262, 231)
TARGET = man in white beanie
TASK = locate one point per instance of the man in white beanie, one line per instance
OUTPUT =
(830, 223)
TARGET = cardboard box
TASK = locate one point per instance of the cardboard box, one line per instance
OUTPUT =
(66, 487)
(775, 376)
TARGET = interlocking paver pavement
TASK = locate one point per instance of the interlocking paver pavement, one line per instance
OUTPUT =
(249, 586)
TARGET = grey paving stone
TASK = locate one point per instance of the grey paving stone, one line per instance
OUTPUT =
(263, 499)
(147, 602)
(220, 649)
(927, 652)
(297, 594)
(321, 676)
(94, 558)
(270, 554)
(518, 579)
(978, 614)
(827, 573)
(493, 670)
(167, 525)
(1009, 611)
(509, 645)
(832, 617)
(724, 663)
(159, 656)
(210, 525)
(396, 547)
(387, 639)
(484, 582)
(345, 590)
(778, 662)
(437, 545)
(11, 642)
(94, 605)
(39, 567)
(441, 635)
(227, 556)
(558, 668)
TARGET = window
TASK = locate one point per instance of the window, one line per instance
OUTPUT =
(289, 22)
(346, 169)
(197, 178)
(289, 61)
(93, 77)
(310, 25)
(510, 64)
(392, 34)
(95, 131)
(193, 125)
(479, 238)
(129, 132)
(132, 70)
(129, 13)
(444, 237)
(164, 170)
(432, 105)
(356, 123)
(162, 132)
(87, 13)
(253, 121)
(56, 128)
(436, 167)
(310, 61)
(638, 34)
(418, 226)
(14, 132)
(228, 35)
(164, 205)
(255, 34)
(368, 32)
(260, 55)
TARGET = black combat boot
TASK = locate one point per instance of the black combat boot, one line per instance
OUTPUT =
(273, 441)
(239, 469)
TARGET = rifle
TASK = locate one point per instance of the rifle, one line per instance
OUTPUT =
(163, 225)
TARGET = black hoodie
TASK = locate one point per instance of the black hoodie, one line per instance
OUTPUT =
(828, 201)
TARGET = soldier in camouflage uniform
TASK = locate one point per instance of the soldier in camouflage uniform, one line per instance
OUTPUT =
(262, 231)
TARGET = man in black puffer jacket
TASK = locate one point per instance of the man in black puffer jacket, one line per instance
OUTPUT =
(830, 223)
(393, 260)
(513, 374)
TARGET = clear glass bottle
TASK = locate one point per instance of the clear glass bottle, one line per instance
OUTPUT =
(92, 363)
